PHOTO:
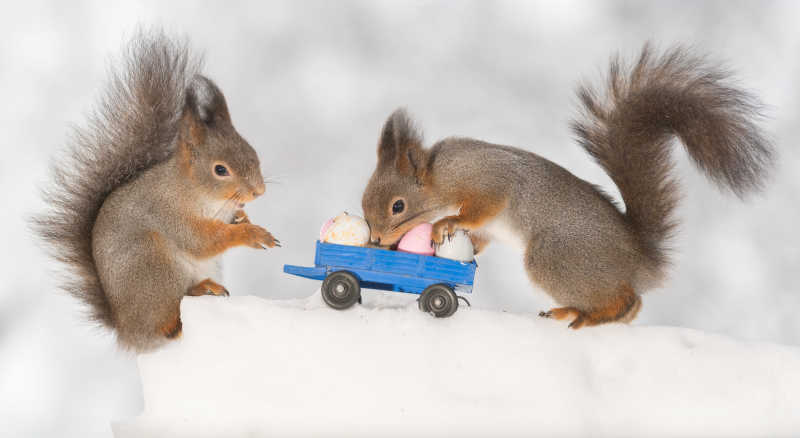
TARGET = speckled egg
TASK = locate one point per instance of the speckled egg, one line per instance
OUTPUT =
(345, 229)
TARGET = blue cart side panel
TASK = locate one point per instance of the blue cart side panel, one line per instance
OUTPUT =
(450, 271)
(404, 270)
(396, 282)
(329, 254)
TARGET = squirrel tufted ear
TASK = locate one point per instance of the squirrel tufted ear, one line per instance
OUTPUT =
(204, 108)
(400, 144)
(206, 102)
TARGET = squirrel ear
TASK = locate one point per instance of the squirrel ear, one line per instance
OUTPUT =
(400, 144)
(204, 108)
(206, 102)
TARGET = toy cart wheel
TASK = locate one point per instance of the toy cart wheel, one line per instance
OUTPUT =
(438, 299)
(341, 290)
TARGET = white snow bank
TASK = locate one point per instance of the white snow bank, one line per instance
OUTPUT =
(247, 366)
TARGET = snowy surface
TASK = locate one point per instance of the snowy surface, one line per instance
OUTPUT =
(247, 366)
(309, 85)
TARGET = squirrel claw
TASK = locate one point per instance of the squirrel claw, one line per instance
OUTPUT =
(257, 237)
(544, 314)
(444, 229)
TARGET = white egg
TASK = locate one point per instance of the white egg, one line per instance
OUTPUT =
(346, 229)
(458, 247)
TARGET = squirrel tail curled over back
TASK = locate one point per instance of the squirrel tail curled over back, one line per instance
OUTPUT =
(629, 131)
(132, 129)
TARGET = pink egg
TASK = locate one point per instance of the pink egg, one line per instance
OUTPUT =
(417, 240)
(324, 228)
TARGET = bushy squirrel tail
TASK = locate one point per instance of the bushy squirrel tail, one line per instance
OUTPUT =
(131, 129)
(629, 131)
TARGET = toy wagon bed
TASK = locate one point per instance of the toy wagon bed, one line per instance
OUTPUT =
(344, 270)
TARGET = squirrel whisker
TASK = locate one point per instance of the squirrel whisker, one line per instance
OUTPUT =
(226, 206)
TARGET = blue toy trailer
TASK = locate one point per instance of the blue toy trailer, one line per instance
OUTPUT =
(344, 270)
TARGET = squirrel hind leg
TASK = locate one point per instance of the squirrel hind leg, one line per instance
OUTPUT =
(622, 308)
(207, 287)
(172, 326)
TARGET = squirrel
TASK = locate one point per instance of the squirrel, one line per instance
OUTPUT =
(591, 256)
(151, 193)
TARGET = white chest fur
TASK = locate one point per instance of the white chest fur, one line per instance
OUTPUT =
(199, 270)
(221, 210)
(502, 230)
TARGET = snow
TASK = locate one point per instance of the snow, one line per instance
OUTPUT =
(247, 366)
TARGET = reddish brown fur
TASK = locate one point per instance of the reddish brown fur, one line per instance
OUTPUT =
(622, 308)
(216, 237)
(173, 327)
(473, 214)
(141, 194)
(591, 254)
(206, 287)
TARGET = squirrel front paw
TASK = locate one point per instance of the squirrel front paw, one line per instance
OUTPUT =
(443, 228)
(258, 237)
(240, 217)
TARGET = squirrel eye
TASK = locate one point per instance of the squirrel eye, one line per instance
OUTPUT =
(221, 170)
(398, 206)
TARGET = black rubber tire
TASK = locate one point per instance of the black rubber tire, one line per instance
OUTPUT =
(438, 299)
(341, 290)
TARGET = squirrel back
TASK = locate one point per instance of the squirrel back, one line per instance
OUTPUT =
(593, 257)
(132, 129)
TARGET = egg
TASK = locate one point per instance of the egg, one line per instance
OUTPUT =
(417, 240)
(324, 228)
(345, 229)
(458, 247)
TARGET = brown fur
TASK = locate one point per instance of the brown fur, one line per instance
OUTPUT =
(131, 131)
(622, 307)
(590, 255)
(207, 287)
(219, 237)
(473, 212)
(138, 211)
(173, 328)
(629, 132)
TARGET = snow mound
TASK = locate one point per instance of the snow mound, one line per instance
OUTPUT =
(247, 366)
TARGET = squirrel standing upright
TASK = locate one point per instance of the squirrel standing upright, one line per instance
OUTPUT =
(151, 194)
(590, 256)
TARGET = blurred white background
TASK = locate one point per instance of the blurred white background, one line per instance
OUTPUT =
(309, 84)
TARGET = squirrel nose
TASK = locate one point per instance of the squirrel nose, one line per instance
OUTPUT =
(259, 190)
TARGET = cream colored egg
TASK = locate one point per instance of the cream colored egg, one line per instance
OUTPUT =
(346, 229)
(458, 247)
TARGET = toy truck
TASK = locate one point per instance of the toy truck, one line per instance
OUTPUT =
(344, 270)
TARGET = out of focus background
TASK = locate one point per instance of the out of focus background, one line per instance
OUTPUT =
(309, 84)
